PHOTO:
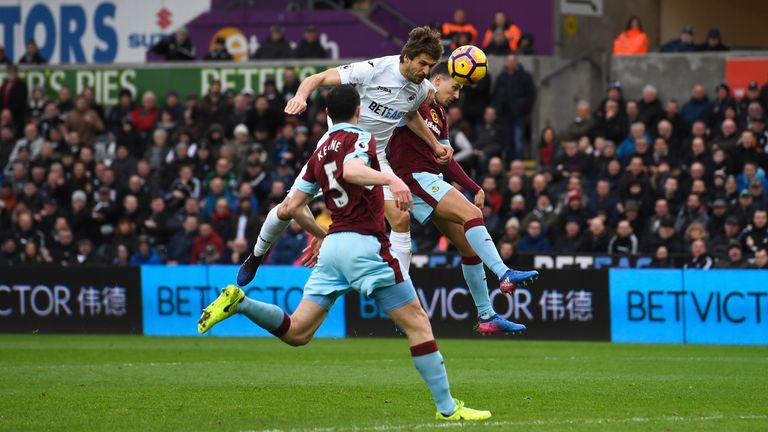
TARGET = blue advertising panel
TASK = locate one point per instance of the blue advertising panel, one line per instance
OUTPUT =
(726, 306)
(175, 296)
(647, 306)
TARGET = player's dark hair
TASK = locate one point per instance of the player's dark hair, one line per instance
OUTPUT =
(342, 103)
(422, 40)
(440, 69)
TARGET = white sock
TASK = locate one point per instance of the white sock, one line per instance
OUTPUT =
(401, 247)
(270, 231)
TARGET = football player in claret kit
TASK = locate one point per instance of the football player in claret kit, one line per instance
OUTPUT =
(355, 253)
(457, 218)
(391, 89)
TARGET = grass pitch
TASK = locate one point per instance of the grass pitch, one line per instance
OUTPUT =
(79, 383)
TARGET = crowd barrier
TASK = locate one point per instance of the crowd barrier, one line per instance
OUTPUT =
(619, 305)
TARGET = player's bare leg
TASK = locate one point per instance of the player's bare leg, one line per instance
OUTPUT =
(429, 362)
(455, 208)
(489, 322)
(295, 330)
(400, 237)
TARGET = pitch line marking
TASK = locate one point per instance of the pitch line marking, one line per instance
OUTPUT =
(598, 421)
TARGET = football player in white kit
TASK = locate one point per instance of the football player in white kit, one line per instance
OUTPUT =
(391, 89)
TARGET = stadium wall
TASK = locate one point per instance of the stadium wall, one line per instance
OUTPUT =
(620, 305)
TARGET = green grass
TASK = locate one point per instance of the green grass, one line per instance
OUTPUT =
(79, 383)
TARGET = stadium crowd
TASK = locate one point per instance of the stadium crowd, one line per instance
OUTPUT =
(189, 181)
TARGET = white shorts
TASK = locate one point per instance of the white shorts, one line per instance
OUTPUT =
(386, 168)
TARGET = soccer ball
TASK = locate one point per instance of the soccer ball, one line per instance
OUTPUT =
(467, 64)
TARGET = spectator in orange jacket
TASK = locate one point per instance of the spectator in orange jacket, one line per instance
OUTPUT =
(459, 25)
(631, 41)
(510, 29)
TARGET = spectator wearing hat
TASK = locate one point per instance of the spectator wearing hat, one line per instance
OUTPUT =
(735, 258)
(275, 46)
(86, 254)
(752, 95)
(32, 54)
(761, 259)
(682, 44)
(700, 259)
(718, 216)
(665, 236)
(120, 112)
(218, 51)
(633, 40)
(717, 109)
(145, 253)
(310, 47)
(177, 47)
(714, 42)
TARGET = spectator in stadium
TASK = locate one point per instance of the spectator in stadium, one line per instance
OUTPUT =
(714, 42)
(215, 107)
(85, 121)
(289, 246)
(717, 109)
(145, 116)
(32, 54)
(275, 46)
(525, 47)
(514, 97)
(735, 258)
(509, 30)
(86, 255)
(534, 239)
(32, 142)
(177, 47)
(309, 47)
(218, 51)
(451, 30)
(650, 110)
(582, 125)
(682, 44)
(624, 242)
(612, 124)
(632, 41)
(13, 97)
(548, 144)
(755, 235)
(499, 45)
(700, 259)
(571, 241)
(662, 259)
(206, 238)
(596, 238)
(761, 259)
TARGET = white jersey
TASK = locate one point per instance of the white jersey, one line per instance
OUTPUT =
(385, 96)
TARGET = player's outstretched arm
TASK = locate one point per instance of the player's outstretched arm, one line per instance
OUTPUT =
(327, 78)
(298, 208)
(415, 123)
(358, 173)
